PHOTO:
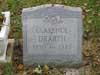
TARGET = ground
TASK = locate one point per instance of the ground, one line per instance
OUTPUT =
(91, 37)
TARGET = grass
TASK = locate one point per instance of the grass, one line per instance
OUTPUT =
(91, 12)
(8, 69)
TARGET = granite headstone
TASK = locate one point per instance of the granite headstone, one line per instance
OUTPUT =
(52, 35)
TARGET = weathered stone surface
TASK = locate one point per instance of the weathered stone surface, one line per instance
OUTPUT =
(52, 35)
(4, 36)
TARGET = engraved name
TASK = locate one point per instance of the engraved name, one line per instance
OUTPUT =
(50, 37)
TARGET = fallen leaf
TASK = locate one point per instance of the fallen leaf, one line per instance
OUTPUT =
(85, 4)
(45, 69)
(83, 7)
(98, 14)
(87, 10)
(20, 67)
(89, 21)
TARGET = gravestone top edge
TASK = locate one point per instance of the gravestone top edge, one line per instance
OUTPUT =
(75, 9)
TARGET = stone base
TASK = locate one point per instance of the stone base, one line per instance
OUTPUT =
(3, 57)
(7, 56)
(73, 71)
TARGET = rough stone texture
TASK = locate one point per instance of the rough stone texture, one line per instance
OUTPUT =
(52, 35)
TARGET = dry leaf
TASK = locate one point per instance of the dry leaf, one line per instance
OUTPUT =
(45, 69)
(89, 21)
(20, 67)
(83, 7)
(85, 4)
(87, 10)
(98, 14)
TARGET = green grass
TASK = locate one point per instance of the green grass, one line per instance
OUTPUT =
(16, 6)
(8, 69)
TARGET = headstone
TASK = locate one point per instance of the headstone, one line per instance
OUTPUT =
(4, 36)
(52, 35)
